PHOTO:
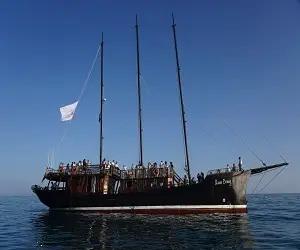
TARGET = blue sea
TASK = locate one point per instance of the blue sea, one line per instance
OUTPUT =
(273, 222)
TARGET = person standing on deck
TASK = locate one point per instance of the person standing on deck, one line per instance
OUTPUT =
(199, 178)
(233, 167)
(240, 164)
(202, 176)
(184, 180)
(228, 168)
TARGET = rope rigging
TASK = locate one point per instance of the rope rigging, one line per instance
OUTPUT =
(253, 192)
(272, 179)
(275, 151)
(89, 74)
(262, 176)
(258, 158)
(244, 142)
(82, 91)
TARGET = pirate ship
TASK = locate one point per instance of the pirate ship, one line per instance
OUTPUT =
(104, 187)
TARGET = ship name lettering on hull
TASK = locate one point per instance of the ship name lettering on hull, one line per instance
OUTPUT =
(222, 182)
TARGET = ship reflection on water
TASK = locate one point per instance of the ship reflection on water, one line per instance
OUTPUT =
(77, 230)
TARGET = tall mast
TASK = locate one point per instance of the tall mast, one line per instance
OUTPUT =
(101, 101)
(187, 162)
(139, 91)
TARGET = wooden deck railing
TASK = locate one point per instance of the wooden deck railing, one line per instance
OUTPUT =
(132, 173)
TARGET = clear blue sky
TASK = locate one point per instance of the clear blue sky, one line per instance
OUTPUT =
(240, 64)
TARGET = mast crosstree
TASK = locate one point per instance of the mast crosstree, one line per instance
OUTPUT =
(187, 162)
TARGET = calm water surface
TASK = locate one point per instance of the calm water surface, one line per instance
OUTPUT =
(273, 222)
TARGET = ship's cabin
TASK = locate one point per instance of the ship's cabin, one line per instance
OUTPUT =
(108, 178)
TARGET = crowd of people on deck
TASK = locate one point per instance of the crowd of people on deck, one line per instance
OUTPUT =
(154, 169)
(151, 169)
(200, 179)
(162, 164)
(74, 166)
(82, 166)
(107, 164)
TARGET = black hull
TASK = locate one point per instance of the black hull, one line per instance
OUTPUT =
(218, 193)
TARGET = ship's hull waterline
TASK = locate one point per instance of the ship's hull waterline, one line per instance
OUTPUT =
(224, 193)
(176, 209)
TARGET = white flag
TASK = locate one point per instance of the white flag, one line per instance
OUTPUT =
(67, 112)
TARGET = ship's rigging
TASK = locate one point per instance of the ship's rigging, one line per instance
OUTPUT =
(146, 189)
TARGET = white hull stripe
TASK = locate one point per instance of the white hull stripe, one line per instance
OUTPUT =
(175, 207)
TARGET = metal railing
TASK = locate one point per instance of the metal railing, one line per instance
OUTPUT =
(222, 170)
